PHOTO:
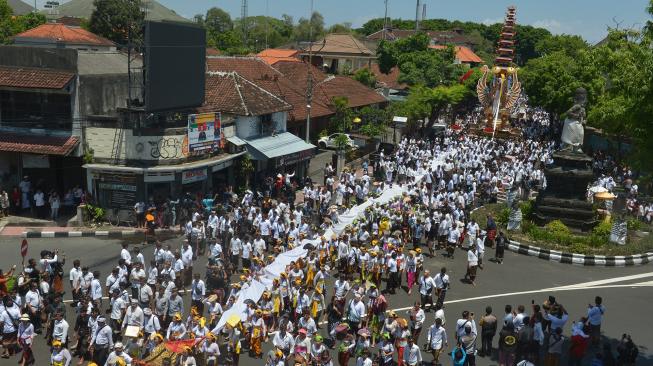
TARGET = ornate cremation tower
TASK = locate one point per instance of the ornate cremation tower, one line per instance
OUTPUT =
(499, 96)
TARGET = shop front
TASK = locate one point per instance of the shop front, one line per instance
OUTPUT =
(121, 187)
(281, 153)
(48, 161)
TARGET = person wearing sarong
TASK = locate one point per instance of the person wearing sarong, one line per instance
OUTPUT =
(317, 305)
(411, 271)
(258, 333)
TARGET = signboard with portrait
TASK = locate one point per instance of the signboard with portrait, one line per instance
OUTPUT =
(204, 132)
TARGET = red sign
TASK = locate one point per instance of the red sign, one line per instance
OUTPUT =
(23, 248)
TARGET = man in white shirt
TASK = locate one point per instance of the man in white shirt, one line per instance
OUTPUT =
(101, 341)
(246, 254)
(145, 294)
(187, 259)
(151, 323)
(426, 287)
(117, 311)
(75, 278)
(95, 289)
(133, 316)
(412, 354)
(235, 247)
(472, 264)
(393, 272)
(595, 317)
(437, 340)
(441, 284)
(124, 254)
(34, 304)
(198, 291)
(355, 313)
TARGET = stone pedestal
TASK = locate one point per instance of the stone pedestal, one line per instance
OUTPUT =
(564, 198)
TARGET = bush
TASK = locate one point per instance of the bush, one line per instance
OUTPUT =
(526, 209)
(603, 229)
(634, 224)
(557, 228)
(503, 216)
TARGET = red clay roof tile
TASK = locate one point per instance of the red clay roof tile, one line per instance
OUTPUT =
(33, 78)
(34, 144)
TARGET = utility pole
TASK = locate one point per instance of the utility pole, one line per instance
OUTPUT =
(267, 22)
(417, 17)
(385, 20)
(243, 20)
(309, 80)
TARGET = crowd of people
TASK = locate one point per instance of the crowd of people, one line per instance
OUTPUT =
(346, 280)
(34, 200)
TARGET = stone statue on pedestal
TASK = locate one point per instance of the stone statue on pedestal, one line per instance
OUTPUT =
(573, 132)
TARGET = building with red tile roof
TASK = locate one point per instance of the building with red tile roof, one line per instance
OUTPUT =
(288, 81)
(34, 78)
(340, 53)
(36, 144)
(62, 35)
(271, 55)
(231, 93)
(464, 55)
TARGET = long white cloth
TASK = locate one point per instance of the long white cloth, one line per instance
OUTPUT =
(274, 269)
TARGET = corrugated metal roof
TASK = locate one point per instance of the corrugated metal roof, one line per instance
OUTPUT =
(278, 145)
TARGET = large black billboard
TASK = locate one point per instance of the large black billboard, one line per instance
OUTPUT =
(175, 65)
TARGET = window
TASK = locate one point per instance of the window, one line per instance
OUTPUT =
(267, 125)
(35, 109)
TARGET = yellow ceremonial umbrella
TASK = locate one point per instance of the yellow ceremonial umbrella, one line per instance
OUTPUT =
(607, 196)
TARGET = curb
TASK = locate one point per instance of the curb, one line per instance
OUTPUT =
(80, 234)
(581, 259)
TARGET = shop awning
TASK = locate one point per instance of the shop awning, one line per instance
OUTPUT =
(237, 141)
(35, 144)
(278, 146)
(206, 163)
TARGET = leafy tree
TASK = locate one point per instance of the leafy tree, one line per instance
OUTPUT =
(569, 44)
(304, 27)
(550, 81)
(10, 25)
(429, 103)
(342, 118)
(116, 19)
(374, 121)
(371, 26)
(6, 29)
(623, 107)
(366, 77)
(430, 67)
(262, 28)
(217, 21)
(388, 53)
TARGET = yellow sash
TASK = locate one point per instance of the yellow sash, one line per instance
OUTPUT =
(276, 305)
(314, 308)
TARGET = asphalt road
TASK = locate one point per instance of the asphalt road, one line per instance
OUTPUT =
(626, 291)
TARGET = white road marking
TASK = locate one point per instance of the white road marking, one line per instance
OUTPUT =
(611, 280)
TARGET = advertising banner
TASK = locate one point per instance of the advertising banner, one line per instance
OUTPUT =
(204, 132)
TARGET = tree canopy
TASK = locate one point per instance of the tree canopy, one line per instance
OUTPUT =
(117, 19)
(10, 24)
